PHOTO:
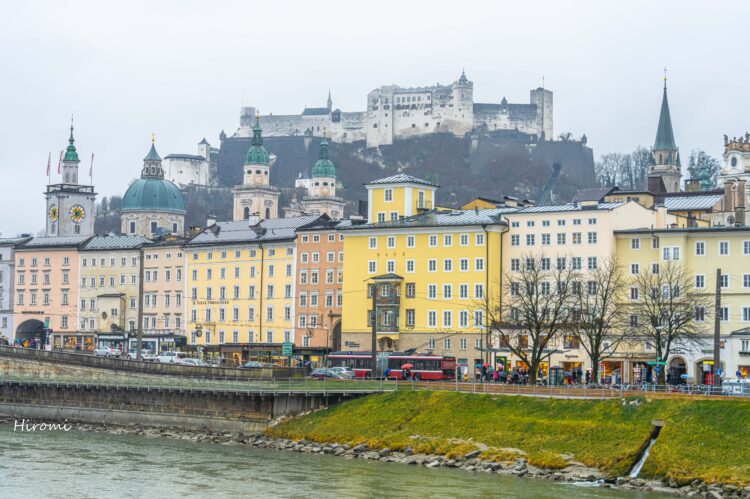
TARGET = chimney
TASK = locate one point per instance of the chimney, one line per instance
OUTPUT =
(210, 220)
(728, 196)
(692, 185)
(194, 230)
(739, 209)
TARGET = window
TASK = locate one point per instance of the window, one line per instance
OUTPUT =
(634, 293)
(746, 247)
(431, 344)
(576, 238)
(515, 240)
(530, 239)
(700, 248)
(410, 290)
(591, 263)
(724, 280)
(371, 267)
(391, 242)
(576, 221)
(746, 280)
(432, 318)
(269, 313)
(463, 291)
(388, 195)
(447, 265)
(530, 223)
(447, 240)
(561, 223)
(462, 343)
(478, 291)
(745, 314)
(373, 242)
(479, 240)
(409, 241)
(464, 240)
(447, 291)
(635, 269)
(390, 266)
(432, 291)
(447, 343)
(633, 320)
(433, 241)
(700, 281)
(700, 314)
(463, 319)
(545, 263)
(432, 265)
(592, 237)
(724, 248)
(724, 315)
(635, 244)
(561, 263)
(410, 317)
(409, 266)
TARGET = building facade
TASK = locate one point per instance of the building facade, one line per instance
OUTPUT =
(70, 205)
(7, 285)
(153, 205)
(701, 251)
(164, 295)
(46, 292)
(241, 283)
(191, 169)
(109, 287)
(320, 273)
(428, 271)
(256, 197)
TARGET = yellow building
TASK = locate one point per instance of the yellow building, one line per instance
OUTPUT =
(430, 271)
(109, 286)
(702, 251)
(241, 286)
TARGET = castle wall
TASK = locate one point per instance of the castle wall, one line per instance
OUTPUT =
(184, 170)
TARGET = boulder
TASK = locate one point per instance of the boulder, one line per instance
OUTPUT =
(472, 454)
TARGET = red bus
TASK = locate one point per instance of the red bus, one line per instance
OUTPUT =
(425, 366)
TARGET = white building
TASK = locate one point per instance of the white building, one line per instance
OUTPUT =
(195, 169)
(7, 273)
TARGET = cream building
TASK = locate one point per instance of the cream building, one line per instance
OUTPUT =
(109, 288)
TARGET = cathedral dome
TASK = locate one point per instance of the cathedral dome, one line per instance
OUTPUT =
(257, 154)
(324, 167)
(153, 194)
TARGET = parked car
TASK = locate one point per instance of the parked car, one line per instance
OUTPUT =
(170, 358)
(323, 373)
(253, 364)
(146, 355)
(194, 362)
(107, 352)
(344, 372)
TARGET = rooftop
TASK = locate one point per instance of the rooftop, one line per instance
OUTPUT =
(715, 229)
(276, 229)
(701, 202)
(115, 242)
(442, 218)
(401, 178)
(49, 242)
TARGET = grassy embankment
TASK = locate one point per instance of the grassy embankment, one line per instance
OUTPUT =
(700, 439)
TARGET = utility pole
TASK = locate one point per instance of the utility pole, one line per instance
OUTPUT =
(374, 345)
(717, 330)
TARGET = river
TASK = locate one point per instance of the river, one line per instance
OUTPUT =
(77, 464)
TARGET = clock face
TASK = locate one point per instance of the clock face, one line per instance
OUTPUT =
(77, 214)
(53, 213)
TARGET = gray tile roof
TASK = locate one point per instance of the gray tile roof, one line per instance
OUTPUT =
(592, 194)
(63, 241)
(315, 111)
(442, 218)
(114, 242)
(691, 202)
(277, 229)
(401, 178)
(5, 241)
(568, 207)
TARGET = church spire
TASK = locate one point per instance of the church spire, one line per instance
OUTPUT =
(330, 101)
(664, 134)
(70, 153)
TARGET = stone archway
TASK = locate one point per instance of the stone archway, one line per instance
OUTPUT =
(677, 368)
(336, 337)
(704, 368)
(30, 329)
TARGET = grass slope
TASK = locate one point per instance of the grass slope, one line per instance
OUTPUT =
(701, 439)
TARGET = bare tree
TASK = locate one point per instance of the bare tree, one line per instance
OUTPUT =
(640, 162)
(537, 308)
(704, 167)
(599, 322)
(668, 311)
(609, 168)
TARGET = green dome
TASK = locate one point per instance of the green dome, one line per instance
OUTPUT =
(257, 154)
(153, 194)
(324, 167)
(70, 152)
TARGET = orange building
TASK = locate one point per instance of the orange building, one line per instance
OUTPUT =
(320, 263)
(46, 292)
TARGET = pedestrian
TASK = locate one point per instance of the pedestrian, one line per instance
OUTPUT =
(588, 376)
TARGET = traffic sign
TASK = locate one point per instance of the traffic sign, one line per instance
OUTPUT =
(46, 322)
(286, 348)
(656, 363)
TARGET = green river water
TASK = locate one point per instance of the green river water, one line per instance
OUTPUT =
(77, 464)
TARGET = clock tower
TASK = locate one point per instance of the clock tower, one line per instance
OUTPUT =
(70, 205)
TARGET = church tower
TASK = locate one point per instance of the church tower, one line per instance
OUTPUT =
(70, 206)
(256, 195)
(665, 157)
(321, 190)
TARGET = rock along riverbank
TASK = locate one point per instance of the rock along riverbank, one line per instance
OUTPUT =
(575, 473)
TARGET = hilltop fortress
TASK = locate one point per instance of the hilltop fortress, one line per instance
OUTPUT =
(395, 112)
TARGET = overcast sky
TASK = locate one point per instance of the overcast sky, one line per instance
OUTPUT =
(182, 69)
